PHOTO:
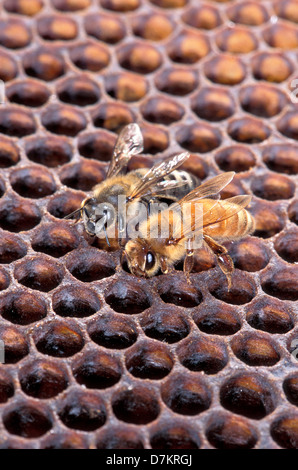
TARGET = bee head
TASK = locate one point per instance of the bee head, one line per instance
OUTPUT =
(96, 217)
(141, 258)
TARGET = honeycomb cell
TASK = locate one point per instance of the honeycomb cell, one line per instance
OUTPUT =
(139, 57)
(269, 314)
(217, 319)
(23, 7)
(284, 430)
(64, 120)
(235, 158)
(293, 211)
(269, 219)
(58, 339)
(156, 139)
(79, 90)
(136, 404)
(196, 166)
(248, 13)
(50, 151)
(153, 27)
(201, 353)
(75, 301)
(281, 158)
(177, 81)
(107, 28)
(113, 331)
(39, 272)
(255, 349)
(119, 437)
(282, 36)
(63, 204)
(44, 63)
(11, 248)
(120, 5)
(169, 3)
(227, 431)
(186, 394)
(28, 93)
(162, 110)
(16, 345)
(43, 379)
(148, 360)
(90, 56)
(126, 86)
(17, 215)
(16, 122)
(249, 254)
(54, 239)
(290, 387)
(281, 283)
(273, 187)
(165, 323)
(179, 292)
(112, 116)
(33, 182)
(57, 28)
(248, 394)
(202, 17)
(65, 440)
(287, 9)
(236, 40)
(9, 69)
(225, 69)
(26, 420)
(90, 265)
(242, 291)
(248, 130)
(82, 410)
(97, 145)
(22, 307)
(14, 33)
(262, 100)
(213, 104)
(127, 297)
(271, 66)
(199, 137)
(174, 435)
(97, 369)
(83, 175)
(71, 5)
(188, 47)
(6, 387)
(286, 245)
(9, 152)
(288, 126)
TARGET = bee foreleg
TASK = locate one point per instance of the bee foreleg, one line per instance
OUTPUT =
(165, 268)
(188, 265)
(225, 262)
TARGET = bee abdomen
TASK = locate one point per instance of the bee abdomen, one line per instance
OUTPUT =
(181, 176)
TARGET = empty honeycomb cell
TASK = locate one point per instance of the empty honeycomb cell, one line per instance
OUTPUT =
(79, 90)
(97, 145)
(188, 47)
(225, 69)
(235, 188)
(126, 86)
(213, 104)
(44, 63)
(23, 7)
(54, 240)
(16, 345)
(186, 394)
(290, 387)
(17, 215)
(217, 319)
(248, 394)
(119, 437)
(112, 116)
(293, 211)
(227, 431)
(90, 265)
(90, 56)
(174, 435)
(33, 182)
(248, 130)
(50, 151)
(196, 166)
(201, 353)
(148, 360)
(75, 301)
(120, 5)
(287, 9)
(83, 175)
(165, 323)
(22, 307)
(82, 410)
(288, 125)
(249, 254)
(179, 292)
(11, 248)
(43, 379)
(9, 69)
(6, 387)
(269, 314)
(281, 283)
(282, 36)
(269, 219)
(127, 296)
(281, 158)
(177, 81)
(71, 5)
(271, 66)
(236, 40)
(64, 120)
(284, 430)
(113, 331)
(97, 369)
(162, 110)
(63, 204)
(107, 28)
(16, 122)
(286, 245)
(57, 27)
(235, 158)
(139, 57)
(242, 291)
(27, 420)
(14, 33)
(202, 17)
(153, 27)
(156, 139)
(39, 272)
(58, 339)
(262, 100)
(273, 187)
(255, 349)
(65, 440)
(28, 93)
(136, 404)
(199, 137)
(248, 13)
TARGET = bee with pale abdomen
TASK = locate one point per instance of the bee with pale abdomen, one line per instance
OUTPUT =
(218, 221)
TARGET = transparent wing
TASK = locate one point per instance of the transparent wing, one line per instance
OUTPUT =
(129, 142)
(163, 186)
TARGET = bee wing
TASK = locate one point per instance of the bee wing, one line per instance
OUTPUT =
(163, 186)
(156, 173)
(129, 143)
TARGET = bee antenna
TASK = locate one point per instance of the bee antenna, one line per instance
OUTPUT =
(106, 235)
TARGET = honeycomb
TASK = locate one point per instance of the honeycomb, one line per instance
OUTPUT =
(95, 357)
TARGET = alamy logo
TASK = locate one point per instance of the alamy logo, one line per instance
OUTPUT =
(294, 92)
(294, 350)
(2, 348)
(2, 92)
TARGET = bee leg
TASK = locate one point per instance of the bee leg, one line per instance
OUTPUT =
(121, 260)
(165, 268)
(225, 262)
(188, 261)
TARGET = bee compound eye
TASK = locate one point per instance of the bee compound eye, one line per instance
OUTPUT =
(150, 260)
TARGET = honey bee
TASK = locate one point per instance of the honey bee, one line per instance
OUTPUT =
(100, 212)
(218, 221)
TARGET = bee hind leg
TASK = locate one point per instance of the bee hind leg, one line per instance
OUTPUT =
(225, 262)
(188, 261)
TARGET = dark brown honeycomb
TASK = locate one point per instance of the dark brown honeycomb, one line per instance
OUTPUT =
(94, 356)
